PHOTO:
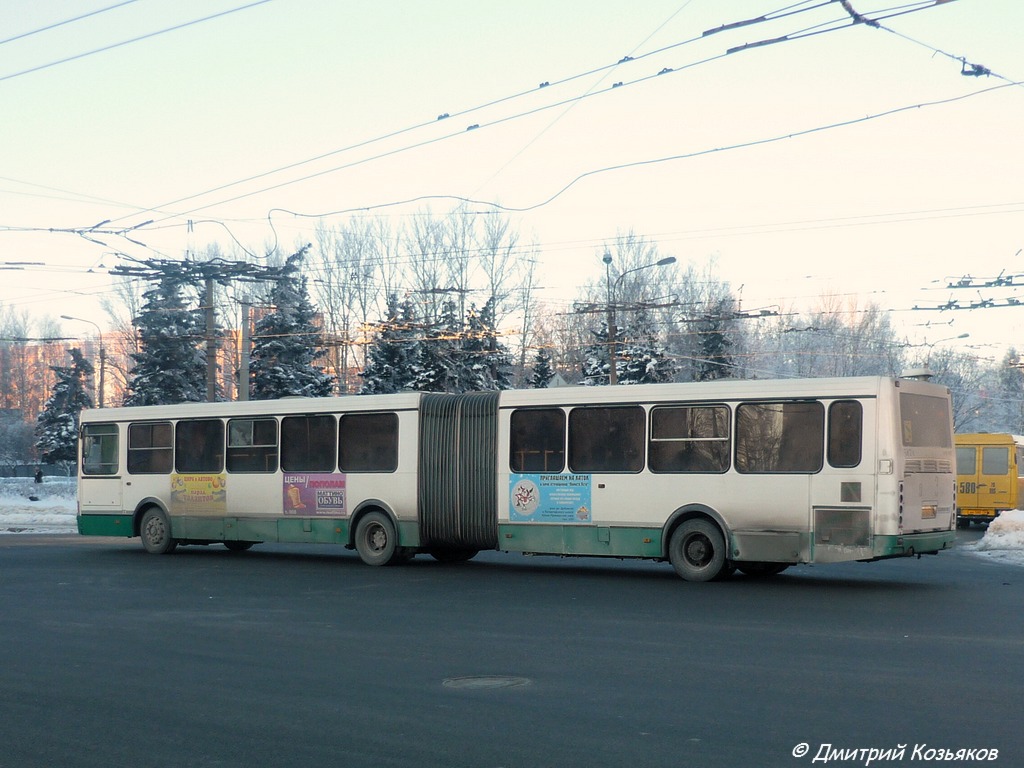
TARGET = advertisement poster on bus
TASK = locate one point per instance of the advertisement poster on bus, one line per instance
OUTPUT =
(199, 494)
(312, 493)
(550, 498)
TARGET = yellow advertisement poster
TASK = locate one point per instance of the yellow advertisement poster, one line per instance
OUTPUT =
(199, 494)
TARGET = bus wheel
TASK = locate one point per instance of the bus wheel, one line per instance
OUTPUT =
(761, 570)
(238, 546)
(376, 541)
(453, 555)
(697, 551)
(155, 530)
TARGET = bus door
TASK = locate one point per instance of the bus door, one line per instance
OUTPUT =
(995, 485)
(99, 487)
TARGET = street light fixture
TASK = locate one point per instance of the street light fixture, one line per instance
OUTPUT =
(611, 288)
(103, 354)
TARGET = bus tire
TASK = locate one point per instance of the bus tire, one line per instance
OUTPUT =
(155, 531)
(697, 551)
(453, 555)
(238, 546)
(376, 540)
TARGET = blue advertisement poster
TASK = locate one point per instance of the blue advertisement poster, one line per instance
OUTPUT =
(550, 498)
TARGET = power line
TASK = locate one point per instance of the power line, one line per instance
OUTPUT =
(146, 36)
(48, 27)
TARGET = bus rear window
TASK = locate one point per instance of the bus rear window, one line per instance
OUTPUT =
(925, 420)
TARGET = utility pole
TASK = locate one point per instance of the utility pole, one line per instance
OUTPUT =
(243, 368)
(211, 344)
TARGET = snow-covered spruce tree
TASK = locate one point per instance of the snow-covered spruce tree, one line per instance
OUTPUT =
(713, 337)
(287, 341)
(170, 366)
(57, 425)
(543, 370)
(485, 363)
(640, 358)
(596, 357)
(436, 366)
(390, 356)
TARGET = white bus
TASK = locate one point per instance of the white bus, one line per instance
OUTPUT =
(711, 477)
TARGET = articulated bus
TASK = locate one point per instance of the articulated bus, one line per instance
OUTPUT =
(989, 478)
(713, 477)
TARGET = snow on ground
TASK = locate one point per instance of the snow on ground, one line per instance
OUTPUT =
(30, 507)
(50, 507)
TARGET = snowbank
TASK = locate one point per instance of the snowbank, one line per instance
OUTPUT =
(1004, 539)
(30, 507)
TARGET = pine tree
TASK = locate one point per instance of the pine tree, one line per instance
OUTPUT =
(57, 425)
(596, 363)
(287, 341)
(436, 366)
(543, 370)
(485, 363)
(641, 359)
(171, 366)
(715, 360)
(390, 357)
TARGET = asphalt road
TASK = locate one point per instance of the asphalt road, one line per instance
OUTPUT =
(292, 656)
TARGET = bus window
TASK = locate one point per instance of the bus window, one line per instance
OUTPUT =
(966, 460)
(995, 460)
(99, 449)
(606, 439)
(689, 439)
(925, 421)
(199, 446)
(537, 441)
(368, 442)
(308, 443)
(252, 445)
(150, 450)
(845, 432)
(779, 437)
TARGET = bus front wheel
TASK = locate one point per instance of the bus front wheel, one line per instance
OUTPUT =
(155, 530)
(376, 541)
(697, 551)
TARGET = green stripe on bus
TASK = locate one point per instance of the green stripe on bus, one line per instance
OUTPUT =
(920, 543)
(105, 525)
(581, 540)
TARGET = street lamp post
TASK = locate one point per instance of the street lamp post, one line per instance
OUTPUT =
(103, 354)
(611, 288)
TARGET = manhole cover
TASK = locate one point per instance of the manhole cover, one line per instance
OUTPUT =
(485, 681)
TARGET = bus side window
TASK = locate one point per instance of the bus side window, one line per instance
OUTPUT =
(99, 449)
(368, 442)
(607, 439)
(252, 445)
(309, 443)
(150, 448)
(689, 439)
(845, 433)
(537, 440)
(199, 446)
(779, 437)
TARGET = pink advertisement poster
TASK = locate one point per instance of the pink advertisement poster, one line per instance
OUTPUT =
(307, 494)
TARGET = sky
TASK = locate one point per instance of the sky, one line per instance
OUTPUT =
(842, 159)
(53, 510)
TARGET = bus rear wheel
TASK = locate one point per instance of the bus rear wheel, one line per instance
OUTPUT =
(376, 541)
(238, 546)
(697, 551)
(155, 531)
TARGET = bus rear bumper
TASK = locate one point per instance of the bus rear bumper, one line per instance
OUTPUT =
(910, 544)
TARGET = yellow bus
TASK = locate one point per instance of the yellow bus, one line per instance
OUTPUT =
(988, 469)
